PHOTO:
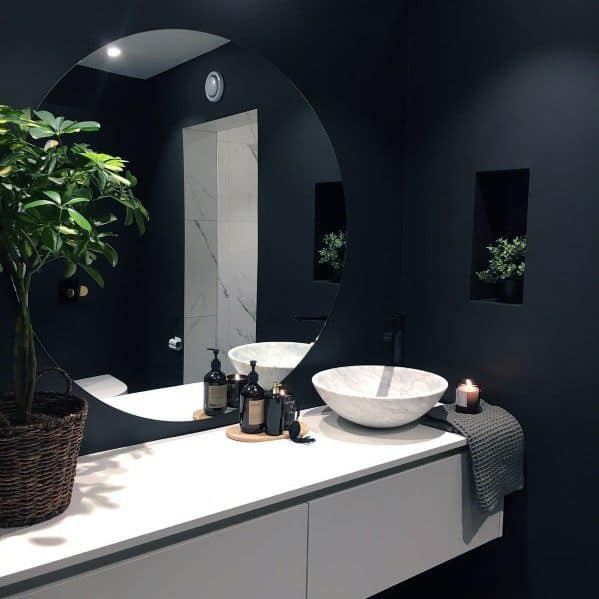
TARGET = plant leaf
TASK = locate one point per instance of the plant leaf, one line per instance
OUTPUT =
(37, 203)
(94, 274)
(40, 132)
(66, 230)
(70, 268)
(80, 219)
(77, 201)
(54, 196)
(82, 126)
(110, 254)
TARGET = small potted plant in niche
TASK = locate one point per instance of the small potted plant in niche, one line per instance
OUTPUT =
(332, 252)
(506, 268)
(54, 200)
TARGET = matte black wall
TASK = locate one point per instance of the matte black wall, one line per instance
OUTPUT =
(294, 152)
(106, 332)
(507, 84)
(141, 306)
(502, 85)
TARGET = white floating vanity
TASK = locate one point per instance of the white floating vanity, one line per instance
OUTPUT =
(202, 516)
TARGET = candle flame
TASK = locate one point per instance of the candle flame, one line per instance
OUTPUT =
(469, 382)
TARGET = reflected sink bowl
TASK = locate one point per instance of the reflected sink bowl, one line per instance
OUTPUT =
(276, 359)
(379, 396)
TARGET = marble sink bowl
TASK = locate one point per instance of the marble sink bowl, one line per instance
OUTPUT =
(379, 396)
(276, 359)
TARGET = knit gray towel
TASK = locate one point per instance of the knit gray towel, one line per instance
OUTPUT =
(496, 445)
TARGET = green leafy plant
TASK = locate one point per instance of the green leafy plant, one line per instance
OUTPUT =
(506, 261)
(55, 202)
(333, 250)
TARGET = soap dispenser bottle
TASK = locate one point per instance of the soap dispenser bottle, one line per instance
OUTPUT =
(252, 404)
(215, 388)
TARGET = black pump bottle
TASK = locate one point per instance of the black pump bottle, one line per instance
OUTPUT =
(251, 406)
(215, 388)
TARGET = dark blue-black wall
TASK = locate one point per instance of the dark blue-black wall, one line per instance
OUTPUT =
(127, 324)
(509, 84)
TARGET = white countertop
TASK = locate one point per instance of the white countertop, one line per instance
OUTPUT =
(171, 404)
(146, 492)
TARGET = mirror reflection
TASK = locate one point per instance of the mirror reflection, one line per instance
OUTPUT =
(246, 238)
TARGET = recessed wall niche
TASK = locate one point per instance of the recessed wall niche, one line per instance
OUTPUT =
(500, 210)
(329, 217)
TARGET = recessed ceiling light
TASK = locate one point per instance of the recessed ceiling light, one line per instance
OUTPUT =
(113, 51)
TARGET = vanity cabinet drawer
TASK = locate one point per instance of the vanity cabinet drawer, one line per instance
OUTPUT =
(373, 536)
(264, 558)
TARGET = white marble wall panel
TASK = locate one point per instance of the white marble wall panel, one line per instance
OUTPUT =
(237, 234)
(200, 333)
(200, 174)
(201, 268)
(201, 250)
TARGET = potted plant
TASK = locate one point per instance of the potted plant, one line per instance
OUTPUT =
(54, 205)
(506, 268)
(332, 252)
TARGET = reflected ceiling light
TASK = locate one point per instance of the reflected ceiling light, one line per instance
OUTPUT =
(113, 51)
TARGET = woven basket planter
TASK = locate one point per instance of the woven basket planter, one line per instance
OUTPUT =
(38, 460)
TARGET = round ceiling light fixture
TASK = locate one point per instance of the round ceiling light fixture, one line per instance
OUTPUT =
(113, 51)
(215, 86)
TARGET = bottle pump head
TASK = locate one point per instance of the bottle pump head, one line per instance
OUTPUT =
(215, 362)
(253, 376)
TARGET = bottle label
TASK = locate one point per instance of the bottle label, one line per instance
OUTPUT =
(256, 411)
(217, 396)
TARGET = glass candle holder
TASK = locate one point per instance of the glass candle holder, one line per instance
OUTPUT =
(235, 383)
(467, 397)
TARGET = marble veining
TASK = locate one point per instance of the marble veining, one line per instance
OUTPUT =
(237, 192)
(379, 396)
(276, 359)
(221, 238)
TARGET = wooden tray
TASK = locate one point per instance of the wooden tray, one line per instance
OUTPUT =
(234, 432)
(201, 415)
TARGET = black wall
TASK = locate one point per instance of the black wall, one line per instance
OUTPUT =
(493, 85)
(510, 85)
(294, 153)
(141, 306)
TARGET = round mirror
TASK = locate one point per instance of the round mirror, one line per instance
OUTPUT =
(245, 241)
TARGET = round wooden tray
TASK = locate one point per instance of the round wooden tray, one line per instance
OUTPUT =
(234, 432)
(201, 415)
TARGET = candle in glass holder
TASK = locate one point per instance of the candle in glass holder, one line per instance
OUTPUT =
(467, 398)
(235, 382)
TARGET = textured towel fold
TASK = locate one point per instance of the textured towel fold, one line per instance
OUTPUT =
(496, 444)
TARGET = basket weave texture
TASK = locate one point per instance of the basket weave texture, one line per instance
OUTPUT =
(38, 460)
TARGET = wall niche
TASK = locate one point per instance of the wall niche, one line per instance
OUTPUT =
(329, 217)
(500, 210)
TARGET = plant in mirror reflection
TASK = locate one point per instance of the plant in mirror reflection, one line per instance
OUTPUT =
(55, 204)
(332, 251)
(506, 260)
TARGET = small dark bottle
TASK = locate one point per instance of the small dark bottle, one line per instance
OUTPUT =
(274, 412)
(215, 388)
(252, 404)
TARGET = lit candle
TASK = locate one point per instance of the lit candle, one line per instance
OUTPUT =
(467, 397)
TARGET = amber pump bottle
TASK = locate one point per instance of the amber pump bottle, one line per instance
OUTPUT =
(251, 406)
(215, 388)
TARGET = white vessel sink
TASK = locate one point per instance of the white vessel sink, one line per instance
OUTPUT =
(276, 359)
(379, 396)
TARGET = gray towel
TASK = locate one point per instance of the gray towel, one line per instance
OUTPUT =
(496, 444)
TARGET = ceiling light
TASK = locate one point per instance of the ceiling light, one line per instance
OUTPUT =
(113, 51)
